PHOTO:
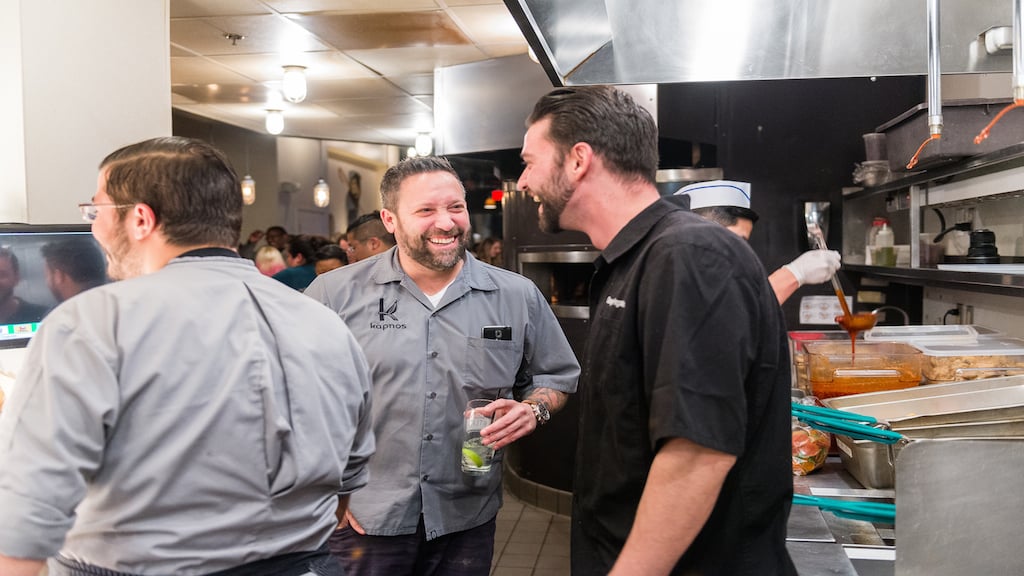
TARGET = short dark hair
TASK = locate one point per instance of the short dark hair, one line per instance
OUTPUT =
(618, 129)
(190, 186)
(6, 252)
(306, 245)
(726, 215)
(397, 174)
(79, 258)
(368, 226)
(330, 251)
(277, 229)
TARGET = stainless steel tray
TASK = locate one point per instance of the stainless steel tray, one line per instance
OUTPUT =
(936, 404)
(992, 408)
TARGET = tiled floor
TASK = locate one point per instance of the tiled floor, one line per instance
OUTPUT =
(530, 541)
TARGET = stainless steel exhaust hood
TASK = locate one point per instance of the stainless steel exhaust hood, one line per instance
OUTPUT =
(664, 41)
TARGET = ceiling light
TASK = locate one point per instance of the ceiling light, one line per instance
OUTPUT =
(424, 145)
(248, 190)
(275, 122)
(321, 194)
(293, 84)
(411, 152)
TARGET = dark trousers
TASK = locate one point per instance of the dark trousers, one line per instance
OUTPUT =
(466, 553)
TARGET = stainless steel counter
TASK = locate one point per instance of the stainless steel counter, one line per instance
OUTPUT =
(822, 543)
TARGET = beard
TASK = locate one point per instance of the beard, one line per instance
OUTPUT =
(419, 249)
(554, 197)
(122, 261)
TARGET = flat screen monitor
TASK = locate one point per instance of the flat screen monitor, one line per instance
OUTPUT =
(40, 267)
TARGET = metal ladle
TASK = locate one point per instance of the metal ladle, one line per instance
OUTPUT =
(850, 322)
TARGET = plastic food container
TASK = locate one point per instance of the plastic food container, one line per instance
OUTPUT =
(987, 358)
(919, 334)
(834, 370)
(798, 356)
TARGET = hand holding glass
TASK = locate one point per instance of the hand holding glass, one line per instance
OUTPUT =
(476, 457)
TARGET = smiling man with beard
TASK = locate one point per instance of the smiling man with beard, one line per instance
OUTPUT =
(683, 463)
(439, 328)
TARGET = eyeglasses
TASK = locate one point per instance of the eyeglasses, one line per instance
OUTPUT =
(90, 210)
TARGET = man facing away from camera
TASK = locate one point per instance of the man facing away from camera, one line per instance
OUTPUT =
(196, 417)
(439, 328)
(683, 461)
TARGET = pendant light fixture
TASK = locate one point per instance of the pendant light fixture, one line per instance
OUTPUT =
(293, 83)
(424, 144)
(275, 121)
(321, 191)
(410, 152)
(321, 194)
(248, 184)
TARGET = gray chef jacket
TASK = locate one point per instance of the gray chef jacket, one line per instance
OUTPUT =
(426, 363)
(183, 422)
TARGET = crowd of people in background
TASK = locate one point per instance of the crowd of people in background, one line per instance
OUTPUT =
(297, 260)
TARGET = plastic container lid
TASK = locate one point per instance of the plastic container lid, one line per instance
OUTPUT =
(994, 346)
(945, 333)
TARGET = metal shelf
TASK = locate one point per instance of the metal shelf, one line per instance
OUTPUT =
(971, 164)
(1006, 284)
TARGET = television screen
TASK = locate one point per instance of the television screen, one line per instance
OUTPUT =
(40, 267)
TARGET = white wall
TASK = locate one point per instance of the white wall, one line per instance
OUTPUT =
(13, 206)
(1003, 313)
(94, 76)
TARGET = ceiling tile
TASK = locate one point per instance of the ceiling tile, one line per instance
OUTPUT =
(223, 93)
(177, 51)
(376, 106)
(488, 24)
(415, 83)
(196, 70)
(473, 2)
(263, 34)
(319, 65)
(299, 6)
(500, 50)
(427, 101)
(404, 61)
(352, 88)
(384, 30)
(201, 8)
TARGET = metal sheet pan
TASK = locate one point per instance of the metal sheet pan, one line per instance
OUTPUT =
(956, 402)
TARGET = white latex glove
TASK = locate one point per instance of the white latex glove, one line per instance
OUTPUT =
(814, 266)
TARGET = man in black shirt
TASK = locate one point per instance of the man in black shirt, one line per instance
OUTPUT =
(683, 464)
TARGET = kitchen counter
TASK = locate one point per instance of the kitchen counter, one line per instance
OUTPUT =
(822, 543)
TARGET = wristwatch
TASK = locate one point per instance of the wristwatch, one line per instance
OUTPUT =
(540, 411)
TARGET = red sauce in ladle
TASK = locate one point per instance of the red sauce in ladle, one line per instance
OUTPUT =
(853, 323)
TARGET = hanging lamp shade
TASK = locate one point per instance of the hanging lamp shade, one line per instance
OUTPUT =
(248, 190)
(321, 194)
(293, 83)
(424, 144)
(275, 122)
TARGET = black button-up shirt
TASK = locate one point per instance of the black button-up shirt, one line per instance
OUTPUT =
(687, 342)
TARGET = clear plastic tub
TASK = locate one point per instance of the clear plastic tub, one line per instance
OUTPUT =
(989, 357)
(798, 356)
(929, 333)
(834, 370)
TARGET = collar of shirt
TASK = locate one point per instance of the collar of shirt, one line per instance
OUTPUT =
(636, 230)
(208, 252)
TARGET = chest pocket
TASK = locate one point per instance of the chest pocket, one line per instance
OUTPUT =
(491, 364)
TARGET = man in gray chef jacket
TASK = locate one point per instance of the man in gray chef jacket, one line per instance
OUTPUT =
(439, 328)
(196, 417)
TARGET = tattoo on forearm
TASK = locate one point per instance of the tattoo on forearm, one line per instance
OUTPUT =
(553, 399)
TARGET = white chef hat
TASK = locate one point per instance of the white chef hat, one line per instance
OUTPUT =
(717, 193)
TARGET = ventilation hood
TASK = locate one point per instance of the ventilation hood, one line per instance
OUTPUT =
(666, 41)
